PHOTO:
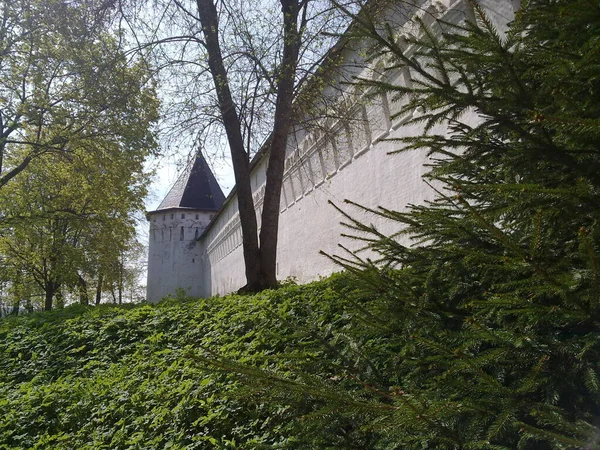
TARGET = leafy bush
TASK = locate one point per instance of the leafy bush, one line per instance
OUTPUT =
(159, 376)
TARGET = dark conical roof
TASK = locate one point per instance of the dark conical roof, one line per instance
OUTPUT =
(196, 188)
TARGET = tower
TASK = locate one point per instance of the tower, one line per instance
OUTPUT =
(174, 258)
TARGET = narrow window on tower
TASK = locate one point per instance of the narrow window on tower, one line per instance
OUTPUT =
(196, 234)
(181, 234)
(183, 216)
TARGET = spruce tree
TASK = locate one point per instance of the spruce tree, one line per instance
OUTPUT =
(485, 332)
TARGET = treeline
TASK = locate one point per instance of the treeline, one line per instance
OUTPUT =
(76, 117)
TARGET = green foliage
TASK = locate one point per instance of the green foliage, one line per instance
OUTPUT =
(491, 324)
(66, 81)
(158, 376)
(76, 126)
(483, 335)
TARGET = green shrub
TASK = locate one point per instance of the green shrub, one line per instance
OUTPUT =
(159, 376)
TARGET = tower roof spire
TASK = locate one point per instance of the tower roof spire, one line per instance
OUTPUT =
(196, 188)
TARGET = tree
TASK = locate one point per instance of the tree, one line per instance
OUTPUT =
(72, 220)
(60, 79)
(484, 333)
(240, 66)
(76, 118)
(70, 215)
(260, 261)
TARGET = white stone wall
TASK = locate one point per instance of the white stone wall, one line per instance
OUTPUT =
(174, 254)
(324, 171)
(350, 161)
(222, 246)
(335, 161)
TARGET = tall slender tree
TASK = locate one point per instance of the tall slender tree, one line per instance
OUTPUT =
(260, 252)
(238, 67)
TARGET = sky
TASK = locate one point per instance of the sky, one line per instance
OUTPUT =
(169, 169)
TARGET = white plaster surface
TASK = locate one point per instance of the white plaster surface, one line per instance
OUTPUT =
(351, 162)
(174, 258)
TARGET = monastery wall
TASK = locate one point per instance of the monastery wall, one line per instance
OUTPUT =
(344, 156)
(335, 161)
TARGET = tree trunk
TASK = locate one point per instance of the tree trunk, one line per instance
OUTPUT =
(59, 299)
(120, 285)
(84, 299)
(48, 297)
(28, 305)
(241, 165)
(281, 128)
(50, 289)
(16, 307)
(99, 289)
